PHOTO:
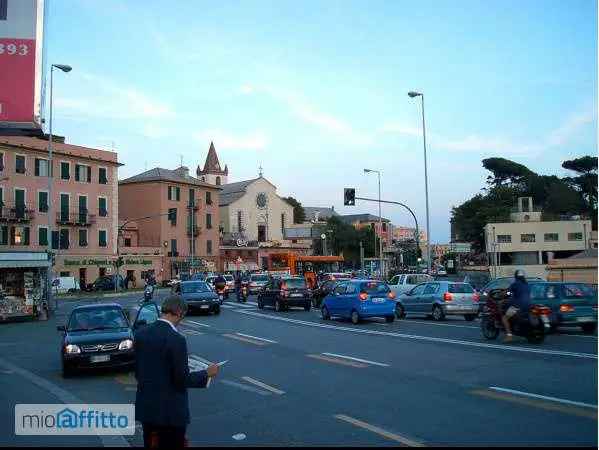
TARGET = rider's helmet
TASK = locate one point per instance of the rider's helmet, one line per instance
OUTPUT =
(520, 275)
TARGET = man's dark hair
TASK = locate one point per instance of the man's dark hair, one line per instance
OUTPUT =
(174, 305)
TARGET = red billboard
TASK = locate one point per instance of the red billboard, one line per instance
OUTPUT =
(21, 49)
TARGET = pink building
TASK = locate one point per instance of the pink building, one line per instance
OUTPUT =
(84, 204)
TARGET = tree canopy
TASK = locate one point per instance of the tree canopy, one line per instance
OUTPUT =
(299, 215)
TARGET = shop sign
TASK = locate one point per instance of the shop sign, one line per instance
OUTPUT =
(105, 262)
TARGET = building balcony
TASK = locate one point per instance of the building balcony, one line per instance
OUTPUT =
(195, 230)
(193, 205)
(15, 213)
(77, 218)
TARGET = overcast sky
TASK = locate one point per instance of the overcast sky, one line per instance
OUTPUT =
(315, 91)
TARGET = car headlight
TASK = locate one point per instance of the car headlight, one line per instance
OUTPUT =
(72, 349)
(127, 344)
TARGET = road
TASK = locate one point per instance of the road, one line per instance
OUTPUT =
(295, 379)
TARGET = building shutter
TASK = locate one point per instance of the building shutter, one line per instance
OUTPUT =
(37, 167)
(77, 172)
(178, 193)
(89, 174)
(4, 235)
(26, 236)
(64, 239)
(169, 194)
(55, 240)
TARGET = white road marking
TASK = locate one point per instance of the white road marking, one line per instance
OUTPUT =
(543, 397)
(425, 338)
(224, 305)
(196, 323)
(253, 303)
(199, 358)
(244, 387)
(239, 436)
(381, 432)
(195, 365)
(263, 385)
(439, 324)
(357, 359)
(255, 337)
(191, 332)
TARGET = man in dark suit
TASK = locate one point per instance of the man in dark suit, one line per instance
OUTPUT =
(163, 376)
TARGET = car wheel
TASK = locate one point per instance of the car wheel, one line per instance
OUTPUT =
(400, 313)
(325, 313)
(469, 317)
(438, 313)
(278, 306)
(589, 328)
(389, 319)
(355, 317)
(217, 310)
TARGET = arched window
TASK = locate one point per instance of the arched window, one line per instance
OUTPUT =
(218, 181)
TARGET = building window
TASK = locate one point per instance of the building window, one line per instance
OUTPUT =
(4, 235)
(192, 197)
(127, 242)
(102, 179)
(55, 240)
(283, 224)
(102, 208)
(551, 237)
(19, 164)
(1, 162)
(174, 247)
(83, 173)
(42, 201)
(65, 274)
(19, 236)
(41, 167)
(173, 216)
(64, 239)
(42, 236)
(504, 238)
(208, 221)
(527, 237)
(240, 221)
(575, 236)
(209, 247)
(384, 227)
(174, 193)
(65, 171)
(102, 238)
(82, 238)
(208, 198)
(218, 181)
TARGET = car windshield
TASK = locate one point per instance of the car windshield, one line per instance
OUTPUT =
(259, 278)
(295, 283)
(374, 287)
(460, 288)
(194, 287)
(229, 278)
(97, 319)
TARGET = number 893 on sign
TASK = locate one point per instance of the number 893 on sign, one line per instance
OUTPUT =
(14, 49)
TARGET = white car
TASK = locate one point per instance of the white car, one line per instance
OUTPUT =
(62, 285)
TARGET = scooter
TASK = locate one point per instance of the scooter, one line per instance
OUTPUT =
(221, 291)
(532, 324)
(148, 293)
(244, 292)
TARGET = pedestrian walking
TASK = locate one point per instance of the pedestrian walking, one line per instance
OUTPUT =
(163, 377)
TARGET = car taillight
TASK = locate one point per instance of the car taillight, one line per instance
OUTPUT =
(475, 297)
(447, 296)
(540, 310)
(566, 308)
(363, 296)
(391, 295)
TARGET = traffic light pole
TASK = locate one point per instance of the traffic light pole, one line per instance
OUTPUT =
(400, 204)
(118, 234)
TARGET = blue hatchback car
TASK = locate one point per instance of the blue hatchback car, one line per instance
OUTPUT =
(358, 299)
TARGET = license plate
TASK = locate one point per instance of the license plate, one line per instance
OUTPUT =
(204, 306)
(100, 358)
(545, 319)
(378, 300)
(584, 319)
(296, 295)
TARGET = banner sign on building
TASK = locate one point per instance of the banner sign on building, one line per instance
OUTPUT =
(21, 63)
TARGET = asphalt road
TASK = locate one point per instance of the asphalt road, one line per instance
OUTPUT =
(295, 379)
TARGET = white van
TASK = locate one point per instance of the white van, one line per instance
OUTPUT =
(63, 285)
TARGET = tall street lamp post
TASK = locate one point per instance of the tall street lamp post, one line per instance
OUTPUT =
(65, 69)
(378, 172)
(413, 94)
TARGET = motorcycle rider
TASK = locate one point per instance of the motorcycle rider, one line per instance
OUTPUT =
(518, 301)
(220, 282)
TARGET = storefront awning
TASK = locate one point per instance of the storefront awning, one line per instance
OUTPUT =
(13, 260)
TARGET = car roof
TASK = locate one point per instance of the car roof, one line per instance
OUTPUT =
(97, 306)
(192, 281)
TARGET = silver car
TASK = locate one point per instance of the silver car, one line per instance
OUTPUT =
(257, 282)
(439, 299)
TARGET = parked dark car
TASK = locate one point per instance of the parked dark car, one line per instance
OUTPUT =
(572, 304)
(281, 293)
(322, 291)
(199, 296)
(106, 283)
(101, 335)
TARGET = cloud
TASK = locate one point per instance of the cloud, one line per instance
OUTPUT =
(256, 140)
(109, 99)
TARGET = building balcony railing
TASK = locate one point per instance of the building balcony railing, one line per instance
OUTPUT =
(195, 230)
(15, 213)
(78, 218)
(193, 205)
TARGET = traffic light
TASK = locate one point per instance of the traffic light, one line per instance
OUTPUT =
(349, 197)
(172, 214)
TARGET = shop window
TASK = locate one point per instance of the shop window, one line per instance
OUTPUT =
(64, 239)
(102, 178)
(65, 171)
(20, 164)
(65, 274)
(575, 236)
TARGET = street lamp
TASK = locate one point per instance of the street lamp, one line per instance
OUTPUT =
(413, 94)
(378, 172)
(65, 69)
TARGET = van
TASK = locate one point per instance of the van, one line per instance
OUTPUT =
(62, 285)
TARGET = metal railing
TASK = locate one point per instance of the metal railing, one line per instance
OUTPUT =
(15, 212)
(75, 217)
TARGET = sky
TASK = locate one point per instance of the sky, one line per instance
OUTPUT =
(316, 91)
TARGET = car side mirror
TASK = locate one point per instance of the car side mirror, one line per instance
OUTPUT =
(61, 328)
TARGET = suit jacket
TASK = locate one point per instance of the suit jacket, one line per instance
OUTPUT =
(163, 376)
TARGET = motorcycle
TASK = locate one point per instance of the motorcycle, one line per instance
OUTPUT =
(221, 290)
(244, 292)
(533, 324)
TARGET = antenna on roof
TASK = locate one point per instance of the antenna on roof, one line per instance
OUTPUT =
(145, 166)
(181, 156)
(260, 171)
